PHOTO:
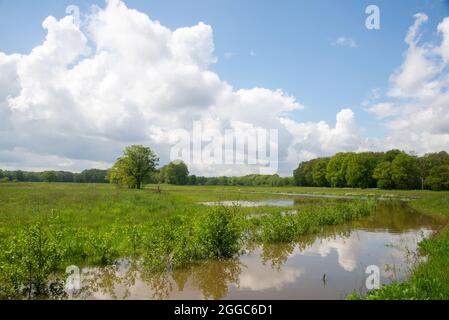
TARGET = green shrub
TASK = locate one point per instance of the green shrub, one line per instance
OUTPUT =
(27, 261)
(158, 246)
(219, 233)
(277, 229)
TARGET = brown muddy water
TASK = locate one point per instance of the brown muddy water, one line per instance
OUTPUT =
(328, 265)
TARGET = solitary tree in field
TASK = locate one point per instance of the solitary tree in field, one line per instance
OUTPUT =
(136, 164)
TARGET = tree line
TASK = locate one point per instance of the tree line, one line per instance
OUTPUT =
(138, 165)
(248, 180)
(87, 176)
(393, 169)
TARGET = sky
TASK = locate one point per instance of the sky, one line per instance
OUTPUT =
(71, 97)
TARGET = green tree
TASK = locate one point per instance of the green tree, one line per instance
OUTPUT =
(177, 173)
(382, 174)
(319, 169)
(438, 178)
(193, 180)
(136, 164)
(429, 161)
(405, 172)
(49, 176)
(336, 170)
(91, 176)
(303, 174)
(391, 155)
(360, 169)
(19, 175)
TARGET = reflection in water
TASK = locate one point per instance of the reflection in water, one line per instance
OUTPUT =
(329, 265)
(276, 254)
(123, 281)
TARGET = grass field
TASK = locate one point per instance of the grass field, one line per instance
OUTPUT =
(46, 227)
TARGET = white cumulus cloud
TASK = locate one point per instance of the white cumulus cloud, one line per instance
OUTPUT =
(416, 109)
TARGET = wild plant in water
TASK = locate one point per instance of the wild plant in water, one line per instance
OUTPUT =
(27, 261)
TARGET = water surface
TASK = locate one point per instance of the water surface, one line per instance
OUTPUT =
(328, 265)
(251, 204)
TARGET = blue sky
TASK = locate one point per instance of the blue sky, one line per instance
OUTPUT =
(288, 45)
(291, 41)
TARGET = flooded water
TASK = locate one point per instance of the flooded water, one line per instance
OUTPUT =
(251, 204)
(334, 196)
(329, 265)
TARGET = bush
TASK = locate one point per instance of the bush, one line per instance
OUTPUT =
(277, 229)
(158, 247)
(27, 261)
(218, 233)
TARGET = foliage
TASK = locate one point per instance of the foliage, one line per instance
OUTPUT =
(248, 180)
(405, 172)
(175, 173)
(279, 228)
(219, 233)
(303, 174)
(360, 170)
(213, 235)
(438, 178)
(49, 176)
(27, 261)
(336, 170)
(382, 174)
(390, 170)
(136, 164)
(319, 169)
(87, 176)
